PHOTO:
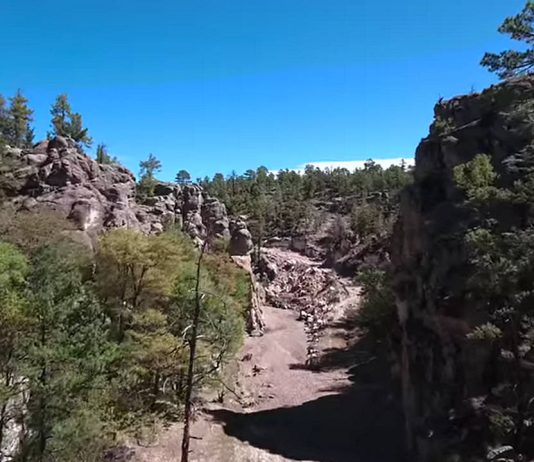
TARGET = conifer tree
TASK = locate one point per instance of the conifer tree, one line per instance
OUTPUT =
(512, 63)
(102, 155)
(19, 131)
(68, 123)
(147, 171)
(4, 122)
(183, 177)
(66, 359)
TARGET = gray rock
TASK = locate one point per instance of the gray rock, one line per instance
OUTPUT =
(58, 142)
(56, 174)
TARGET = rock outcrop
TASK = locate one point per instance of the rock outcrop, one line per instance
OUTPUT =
(56, 175)
(442, 370)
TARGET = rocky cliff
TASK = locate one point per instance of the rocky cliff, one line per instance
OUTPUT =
(443, 372)
(57, 175)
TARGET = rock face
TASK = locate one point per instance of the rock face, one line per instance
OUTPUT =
(255, 322)
(442, 371)
(56, 175)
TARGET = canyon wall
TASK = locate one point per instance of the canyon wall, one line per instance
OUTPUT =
(444, 373)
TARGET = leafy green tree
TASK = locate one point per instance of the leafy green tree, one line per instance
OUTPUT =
(65, 122)
(19, 131)
(183, 177)
(511, 63)
(147, 171)
(133, 271)
(377, 311)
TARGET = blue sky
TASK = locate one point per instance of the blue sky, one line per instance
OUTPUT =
(216, 85)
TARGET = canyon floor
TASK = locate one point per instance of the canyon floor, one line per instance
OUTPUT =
(342, 410)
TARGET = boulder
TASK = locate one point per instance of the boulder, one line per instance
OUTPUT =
(240, 238)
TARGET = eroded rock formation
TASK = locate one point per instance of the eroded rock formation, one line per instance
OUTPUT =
(56, 175)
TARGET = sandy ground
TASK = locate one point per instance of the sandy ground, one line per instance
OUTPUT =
(290, 413)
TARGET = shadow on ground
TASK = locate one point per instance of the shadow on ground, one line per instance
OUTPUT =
(360, 423)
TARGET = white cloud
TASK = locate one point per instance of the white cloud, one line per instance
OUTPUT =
(354, 164)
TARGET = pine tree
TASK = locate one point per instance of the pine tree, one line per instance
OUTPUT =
(4, 122)
(68, 123)
(147, 171)
(19, 131)
(66, 359)
(102, 156)
(183, 177)
(512, 63)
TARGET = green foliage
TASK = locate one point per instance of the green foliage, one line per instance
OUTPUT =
(225, 291)
(487, 331)
(10, 183)
(13, 324)
(4, 124)
(442, 126)
(102, 156)
(500, 248)
(377, 311)
(147, 170)
(283, 204)
(134, 270)
(93, 348)
(369, 220)
(15, 128)
(511, 63)
(31, 230)
(477, 178)
(183, 177)
(65, 122)
(67, 354)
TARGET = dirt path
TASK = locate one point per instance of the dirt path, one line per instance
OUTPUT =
(288, 412)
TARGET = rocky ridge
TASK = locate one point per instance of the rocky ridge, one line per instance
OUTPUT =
(57, 175)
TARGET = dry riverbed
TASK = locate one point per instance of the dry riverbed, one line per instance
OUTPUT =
(287, 411)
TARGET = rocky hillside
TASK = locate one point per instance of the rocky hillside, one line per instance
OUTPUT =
(57, 175)
(447, 375)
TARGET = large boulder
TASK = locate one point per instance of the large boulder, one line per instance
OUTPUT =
(241, 240)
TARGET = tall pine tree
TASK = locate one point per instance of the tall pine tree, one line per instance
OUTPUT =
(65, 122)
(19, 131)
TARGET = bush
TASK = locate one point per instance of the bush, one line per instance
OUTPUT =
(377, 311)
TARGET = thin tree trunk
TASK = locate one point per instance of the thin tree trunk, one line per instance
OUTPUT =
(191, 368)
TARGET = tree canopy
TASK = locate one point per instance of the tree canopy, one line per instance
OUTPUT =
(512, 63)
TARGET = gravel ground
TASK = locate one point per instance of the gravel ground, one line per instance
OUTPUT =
(288, 412)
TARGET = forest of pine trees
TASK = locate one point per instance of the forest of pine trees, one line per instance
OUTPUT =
(287, 203)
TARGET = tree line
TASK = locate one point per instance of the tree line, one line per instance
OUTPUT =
(287, 203)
